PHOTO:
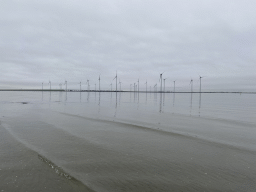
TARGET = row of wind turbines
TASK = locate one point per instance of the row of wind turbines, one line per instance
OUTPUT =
(135, 85)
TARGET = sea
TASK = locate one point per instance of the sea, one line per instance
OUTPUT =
(127, 141)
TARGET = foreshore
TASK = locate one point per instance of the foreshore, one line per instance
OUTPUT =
(106, 155)
(109, 146)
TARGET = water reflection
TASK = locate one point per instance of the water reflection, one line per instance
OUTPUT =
(60, 96)
(173, 101)
(88, 96)
(196, 104)
(99, 104)
(119, 98)
(160, 102)
(191, 101)
(115, 106)
(199, 112)
(160, 109)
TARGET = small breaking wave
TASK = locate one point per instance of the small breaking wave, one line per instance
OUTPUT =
(58, 170)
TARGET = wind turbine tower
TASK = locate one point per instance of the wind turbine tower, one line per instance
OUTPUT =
(191, 83)
(99, 83)
(200, 77)
(164, 84)
(88, 87)
(42, 85)
(120, 84)
(161, 78)
(146, 86)
(174, 86)
(50, 85)
(116, 80)
(138, 85)
(66, 83)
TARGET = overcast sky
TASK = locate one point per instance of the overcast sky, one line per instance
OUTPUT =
(81, 39)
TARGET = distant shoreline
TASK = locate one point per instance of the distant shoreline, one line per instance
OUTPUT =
(62, 90)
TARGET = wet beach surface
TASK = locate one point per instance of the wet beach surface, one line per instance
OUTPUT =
(59, 147)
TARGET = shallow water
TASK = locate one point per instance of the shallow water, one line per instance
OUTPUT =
(127, 142)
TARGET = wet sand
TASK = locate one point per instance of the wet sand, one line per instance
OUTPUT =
(22, 169)
(104, 155)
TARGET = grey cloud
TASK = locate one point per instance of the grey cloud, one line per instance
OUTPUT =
(78, 40)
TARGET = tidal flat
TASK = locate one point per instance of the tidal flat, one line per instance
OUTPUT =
(127, 142)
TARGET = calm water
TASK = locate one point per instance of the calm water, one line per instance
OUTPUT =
(71, 141)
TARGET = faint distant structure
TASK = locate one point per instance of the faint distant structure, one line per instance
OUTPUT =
(161, 78)
(138, 85)
(191, 83)
(42, 85)
(164, 84)
(50, 85)
(130, 87)
(60, 86)
(174, 86)
(120, 84)
(146, 86)
(155, 88)
(66, 83)
(116, 80)
(111, 86)
(99, 83)
(88, 87)
(200, 77)
(80, 86)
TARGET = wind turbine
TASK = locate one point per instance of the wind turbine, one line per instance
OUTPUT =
(88, 82)
(99, 83)
(138, 85)
(42, 85)
(80, 86)
(130, 87)
(50, 85)
(146, 86)
(200, 77)
(161, 77)
(66, 83)
(111, 87)
(116, 80)
(164, 84)
(174, 86)
(191, 83)
(120, 84)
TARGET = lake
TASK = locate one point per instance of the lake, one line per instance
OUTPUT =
(126, 141)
